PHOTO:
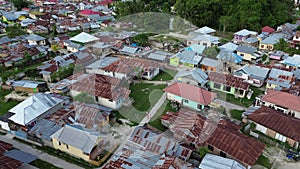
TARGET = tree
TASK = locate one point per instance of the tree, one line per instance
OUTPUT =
(19, 4)
(281, 45)
(14, 30)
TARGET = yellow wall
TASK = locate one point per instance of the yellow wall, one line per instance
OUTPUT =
(266, 47)
(271, 86)
(245, 56)
(71, 150)
(21, 18)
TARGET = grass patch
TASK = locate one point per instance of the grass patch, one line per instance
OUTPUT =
(5, 106)
(264, 161)
(43, 164)
(60, 154)
(236, 114)
(165, 75)
(155, 120)
(203, 151)
(145, 96)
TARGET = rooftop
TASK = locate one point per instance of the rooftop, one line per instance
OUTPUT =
(211, 161)
(228, 80)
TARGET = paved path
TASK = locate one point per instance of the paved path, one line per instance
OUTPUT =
(229, 105)
(40, 154)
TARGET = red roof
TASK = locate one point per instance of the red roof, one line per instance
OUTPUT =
(105, 2)
(191, 92)
(9, 163)
(268, 29)
(277, 121)
(290, 101)
(228, 80)
(88, 12)
(4, 147)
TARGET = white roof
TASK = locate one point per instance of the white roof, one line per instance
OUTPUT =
(245, 32)
(211, 161)
(229, 46)
(84, 38)
(33, 107)
(205, 30)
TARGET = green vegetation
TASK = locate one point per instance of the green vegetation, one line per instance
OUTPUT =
(211, 52)
(155, 120)
(236, 114)
(165, 75)
(5, 106)
(60, 154)
(284, 46)
(142, 39)
(15, 30)
(62, 73)
(145, 96)
(264, 161)
(43, 164)
(264, 57)
(84, 98)
(202, 151)
(19, 4)
(7, 73)
(71, 34)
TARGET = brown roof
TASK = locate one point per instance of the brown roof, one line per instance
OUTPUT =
(4, 147)
(63, 115)
(224, 135)
(191, 92)
(290, 101)
(9, 163)
(277, 121)
(228, 80)
(101, 86)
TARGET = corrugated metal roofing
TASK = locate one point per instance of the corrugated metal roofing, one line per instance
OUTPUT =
(211, 161)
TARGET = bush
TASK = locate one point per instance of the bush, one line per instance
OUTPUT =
(264, 161)
(203, 151)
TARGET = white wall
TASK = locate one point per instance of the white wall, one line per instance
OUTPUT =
(261, 128)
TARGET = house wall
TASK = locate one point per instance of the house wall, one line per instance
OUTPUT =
(190, 104)
(245, 56)
(174, 61)
(200, 42)
(39, 43)
(22, 17)
(232, 90)
(4, 125)
(111, 104)
(24, 89)
(284, 110)
(72, 49)
(209, 68)
(188, 65)
(266, 46)
(70, 150)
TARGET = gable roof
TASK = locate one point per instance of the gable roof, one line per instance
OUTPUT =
(290, 101)
(254, 71)
(33, 107)
(27, 84)
(277, 121)
(229, 56)
(229, 46)
(267, 29)
(35, 37)
(245, 32)
(84, 38)
(205, 30)
(210, 62)
(190, 92)
(196, 48)
(77, 137)
(4, 146)
(189, 56)
(292, 61)
(228, 80)
(199, 75)
(211, 161)
(246, 49)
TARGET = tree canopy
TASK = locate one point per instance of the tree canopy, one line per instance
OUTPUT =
(19, 4)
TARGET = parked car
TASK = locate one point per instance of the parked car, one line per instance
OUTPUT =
(294, 155)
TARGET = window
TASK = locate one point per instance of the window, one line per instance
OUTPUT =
(222, 154)
(217, 85)
(211, 148)
(67, 146)
(199, 106)
(59, 143)
(204, 44)
(185, 100)
(226, 88)
(96, 98)
(261, 46)
(241, 54)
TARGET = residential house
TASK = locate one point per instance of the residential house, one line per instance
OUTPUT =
(73, 47)
(189, 95)
(129, 50)
(78, 142)
(27, 21)
(27, 113)
(187, 58)
(277, 125)
(213, 161)
(29, 86)
(269, 42)
(210, 65)
(202, 31)
(221, 137)
(101, 48)
(280, 79)
(252, 74)
(12, 17)
(153, 149)
(274, 99)
(4, 41)
(228, 84)
(195, 77)
(277, 55)
(296, 40)
(293, 61)
(205, 40)
(160, 56)
(241, 35)
(246, 52)
(105, 90)
(37, 40)
(228, 58)
(97, 66)
(84, 38)
(229, 46)
(267, 30)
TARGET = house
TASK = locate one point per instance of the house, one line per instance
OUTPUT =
(210, 65)
(29, 86)
(78, 142)
(267, 30)
(104, 90)
(280, 79)
(97, 66)
(211, 161)
(195, 77)
(129, 50)
(160, 56)
(187, 58)
(101, 48)
(205, 40)
(202, 31)
(243, 34)
(273, 98)
(228, 84)
(229, 60)
(152, 149)
(27, 21)
(27, 113)
(221, 137)
(293, 61)
(84, 38)
(277, 125)
(190, 96)
(229, 46)
(296, 40)
(246, 52)
(277, 55)
(269, 42)
(73, 47)
(37, 40)
(252, 74)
